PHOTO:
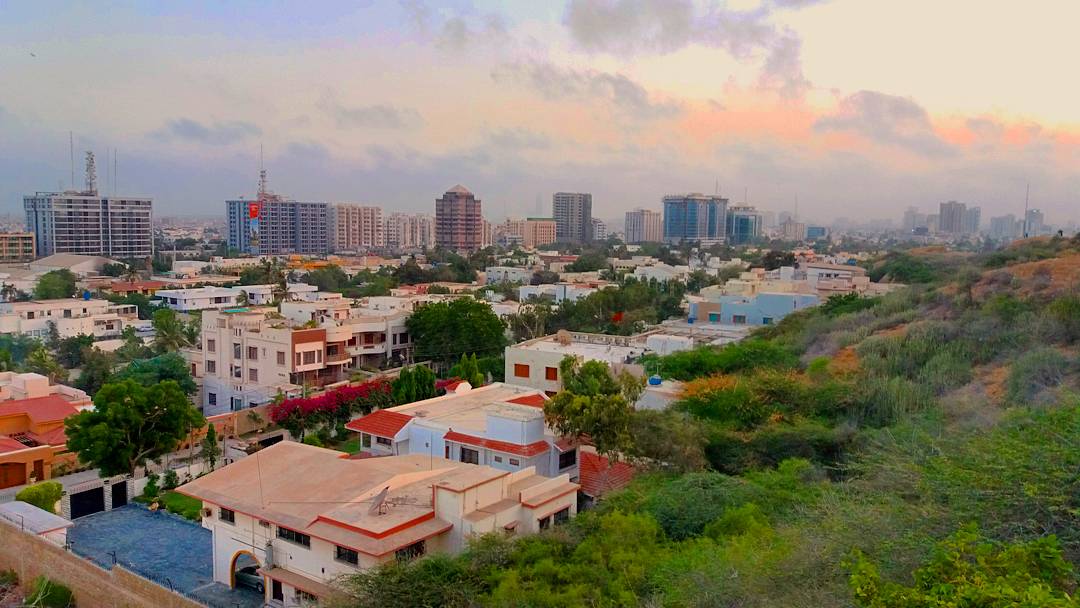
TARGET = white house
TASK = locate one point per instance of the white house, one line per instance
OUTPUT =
(71, 316)
(198, 298)
(507, 274)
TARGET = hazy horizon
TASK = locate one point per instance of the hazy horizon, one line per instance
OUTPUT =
(859, 108)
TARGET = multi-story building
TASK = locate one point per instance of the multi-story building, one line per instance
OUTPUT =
(88, 224)
(695, 217)
(409, 231)
(599, 230)
(791, 230)
(304, 516)
(71, 317)
(744, 225)
(1003, 227)
(498, 425)
(33, 444)
(356, 227)
(535, 363)
(17, 247)
(1034, 223)
(573, 216)
(212, 297)
(951, 217)
(529, 232)
(644, 226)
(275, 226)
(507, 274)
(814, 233)
(459, 222)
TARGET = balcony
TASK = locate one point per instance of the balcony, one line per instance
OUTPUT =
(338, 358)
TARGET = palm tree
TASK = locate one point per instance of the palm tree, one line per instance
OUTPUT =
(131, 274)
(169, 331)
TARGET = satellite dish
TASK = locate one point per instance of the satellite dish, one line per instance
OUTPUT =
(379, 502)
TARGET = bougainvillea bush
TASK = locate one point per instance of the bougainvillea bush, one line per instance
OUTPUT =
(331, 408)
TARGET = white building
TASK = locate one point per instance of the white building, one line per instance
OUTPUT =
(88, 224)
(535, 363)
(507, 274)
(556, 291)
(198, 298)
(498, 425)
(262, 295)
(662, 272)
(72, 317)
(305, 516)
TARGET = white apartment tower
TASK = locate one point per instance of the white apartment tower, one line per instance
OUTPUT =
(409, 231)
(644, 226)
(356, 227)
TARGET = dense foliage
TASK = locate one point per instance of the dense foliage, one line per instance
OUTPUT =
(444, 331)
(330, 409)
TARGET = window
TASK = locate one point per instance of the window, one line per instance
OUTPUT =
(211, 346)
(738, 319)
(521, 370)
(253, 353)
(227, 516)
(498, 458)
(281, 357)
(551, 373)
(253, 375)
(766, 320)
(383, 441)
(344, 554)
(413, 551)
(294, 537)
(309, 357)
(545, 523)
(470, 456)
(562, 516)
(211, 398)
(304, 598)
(236, 351)
(515, 462)
(567, 459)
(211, 366)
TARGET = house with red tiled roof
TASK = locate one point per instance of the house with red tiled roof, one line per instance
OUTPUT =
(599, 475)
(498, 425)
(32, 438)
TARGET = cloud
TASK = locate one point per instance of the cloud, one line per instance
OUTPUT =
(378, 116)
(216, 134)
(519, 139)
(886, 119)
(456, 31)
(619, 91)
(783, 68)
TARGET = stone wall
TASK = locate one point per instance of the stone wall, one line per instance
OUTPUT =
(30, 556)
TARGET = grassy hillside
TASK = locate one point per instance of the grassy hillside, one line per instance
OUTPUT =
(828, 459)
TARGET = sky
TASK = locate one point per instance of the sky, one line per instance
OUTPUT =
(852, 108)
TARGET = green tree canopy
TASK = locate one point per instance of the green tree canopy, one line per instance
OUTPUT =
(97, 369)
(170, 333)
(443, 331)
(596, 403)
(414, 383)
(468, 370)
(55, 284)
(131, 424)
(41, 362)
(69, 351)
(148, 372)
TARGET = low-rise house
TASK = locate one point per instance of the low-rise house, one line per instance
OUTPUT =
(535, 363)
(198, 298)
(559, 292)
(662, 272)
(306, 515)
(498, 425)
(758, 309)
(261, 295)
(145, 288)
(71, 316)
(507, 274)
(32, 438)
(36, 521)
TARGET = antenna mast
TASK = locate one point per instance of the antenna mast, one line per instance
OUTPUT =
(262, 175)
(71, 150)
(91, 174)
(1027, 194)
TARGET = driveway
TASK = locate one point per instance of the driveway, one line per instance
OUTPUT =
(165, 548)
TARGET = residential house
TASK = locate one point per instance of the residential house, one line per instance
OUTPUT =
(32, 438)
(70, 316)
(535, 363)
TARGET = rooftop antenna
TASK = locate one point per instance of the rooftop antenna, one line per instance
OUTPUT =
(796, 208)
(114, 173)
(262, 175)
(1027, 194)
(91, 174)
(71, 149)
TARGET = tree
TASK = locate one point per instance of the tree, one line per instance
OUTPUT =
(169, 331)
(328, 278)
(595, 403)
(41, 362)
(775, 259)
(530, 321)
(43, 495)
(443, 331)
(588, 262)
(542, 277)
(97, 367)
(69, 351)
(130, 425)
(668, 439)
(148, 372)
(55, 285)
(413, 384)
(8, 292)
(133, 347)
(114, 269)
(468, 370)
(210, 448)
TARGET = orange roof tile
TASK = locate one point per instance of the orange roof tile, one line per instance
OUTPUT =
(50, 408)
(381, 423)
(529, 450)
(597, 475)
(8, 444)
(535, 400)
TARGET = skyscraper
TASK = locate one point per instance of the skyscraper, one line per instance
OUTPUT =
(356, 227)
(695, 217)
(598, 230)
(573, 216)
(1003, 227)
(409, 231)
(1034, 223)
(951, 217)
(272, 225)
(459, 222)
(744, 225)
(644, 226)
(972, 220)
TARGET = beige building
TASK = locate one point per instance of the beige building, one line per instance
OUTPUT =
(305, 516)
(356, 227)
(16, 247)
(531, 232)
(644, 226)
(409, 231)
(535, 363)
(98, 318)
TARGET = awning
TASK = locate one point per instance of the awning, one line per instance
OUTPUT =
(299, 581)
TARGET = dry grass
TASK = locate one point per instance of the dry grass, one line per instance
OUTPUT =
(1049, 277)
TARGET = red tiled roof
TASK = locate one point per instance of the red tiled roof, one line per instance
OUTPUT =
(49, 408)
(136, 285)
(535, 400)
(381, 423)
(57, 436)
(565, 444)
(8, 444)
(528, 451)
(598, 476)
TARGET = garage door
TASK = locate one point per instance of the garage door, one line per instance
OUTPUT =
(119, 494)
(12, 474)
(87, 502)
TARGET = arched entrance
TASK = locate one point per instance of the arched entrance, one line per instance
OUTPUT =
(243, 573)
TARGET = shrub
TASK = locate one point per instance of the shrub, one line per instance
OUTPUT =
(752, 353)
(687, 504)
(847, 303)
(744, 519)
(885, 400)
(313, 440)
(8, 579)
(1066, 311)
(1034, 372)
(151, 490)
(170, 480)
(46, 593)
(43, 495)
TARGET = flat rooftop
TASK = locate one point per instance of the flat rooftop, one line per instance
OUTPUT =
(468, 411)
(611, 353)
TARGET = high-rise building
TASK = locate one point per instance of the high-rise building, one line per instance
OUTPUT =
(409, 231)
(1004, 227)
(695, 217)
(792, 230)
(1034, 223)
(459, 222)
(273, 225)
(573, 216)
(599, 230)
(530, 232)
(972, 220)
(644, 226)
(744, 225)
(951, 217)
(87, 223)
(16, 247)
(356, 227)
(913, 219)
(933, 223)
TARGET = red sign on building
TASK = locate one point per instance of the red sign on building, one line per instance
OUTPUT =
(253, 210)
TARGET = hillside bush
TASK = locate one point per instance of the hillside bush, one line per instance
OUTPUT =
(1034, 372)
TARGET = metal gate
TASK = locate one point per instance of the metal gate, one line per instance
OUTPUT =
(88, 502)
(119, 494)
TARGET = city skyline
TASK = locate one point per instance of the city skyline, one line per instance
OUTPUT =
(628, 100)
